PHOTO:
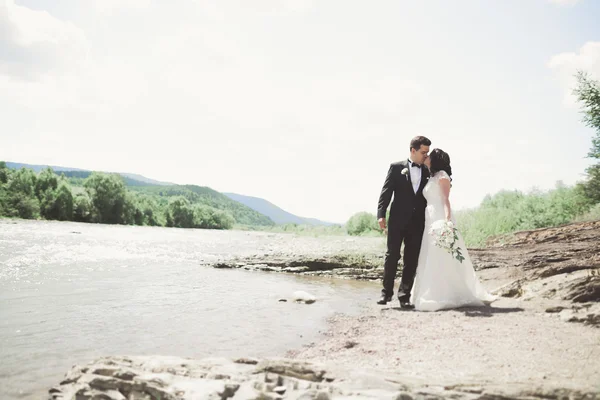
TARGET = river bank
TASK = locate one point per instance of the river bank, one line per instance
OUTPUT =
(525, 345)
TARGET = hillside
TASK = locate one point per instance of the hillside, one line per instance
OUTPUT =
(246, 210)
(200, 194)
(242, 214)
(76, 177)
(278, 215)
(150, 201)
(130, 179)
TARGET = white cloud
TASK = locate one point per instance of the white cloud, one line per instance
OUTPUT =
(41, 57)
(47, 64)
(566, 65)
(34, 43)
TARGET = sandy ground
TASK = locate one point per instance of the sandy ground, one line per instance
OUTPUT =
(513, 345)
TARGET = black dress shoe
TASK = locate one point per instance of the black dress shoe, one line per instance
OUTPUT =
(406, 305)
(383, 300)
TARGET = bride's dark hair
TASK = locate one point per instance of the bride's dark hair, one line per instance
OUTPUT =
(440, 161)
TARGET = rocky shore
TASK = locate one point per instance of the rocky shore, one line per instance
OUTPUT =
(171, 378)
(556, 263)
(521, 347)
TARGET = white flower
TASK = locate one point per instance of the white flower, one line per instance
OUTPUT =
(404, 171)
(445, 237)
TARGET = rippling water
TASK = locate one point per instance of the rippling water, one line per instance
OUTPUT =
(72, 292)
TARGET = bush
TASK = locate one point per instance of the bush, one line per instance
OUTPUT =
(362, 223)
(210, 218)
(592, 215)
(82, 207)
(23, 206)
(510, 211)
(591, 186)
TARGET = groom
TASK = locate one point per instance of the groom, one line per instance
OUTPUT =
(406, 180)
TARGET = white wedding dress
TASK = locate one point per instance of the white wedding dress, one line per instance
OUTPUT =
(442, 281)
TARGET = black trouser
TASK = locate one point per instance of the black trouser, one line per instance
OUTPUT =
(411, 235)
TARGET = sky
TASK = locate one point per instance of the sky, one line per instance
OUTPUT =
(304, 103)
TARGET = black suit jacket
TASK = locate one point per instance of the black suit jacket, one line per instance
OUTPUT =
(406, 202)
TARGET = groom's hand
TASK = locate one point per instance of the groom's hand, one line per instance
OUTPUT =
(382, 224)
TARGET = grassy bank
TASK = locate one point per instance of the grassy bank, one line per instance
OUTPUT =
(511, 211)
(500, 214)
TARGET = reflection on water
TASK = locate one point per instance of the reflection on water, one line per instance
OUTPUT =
(72, 292)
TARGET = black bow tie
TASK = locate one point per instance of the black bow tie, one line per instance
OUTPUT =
(415, 165)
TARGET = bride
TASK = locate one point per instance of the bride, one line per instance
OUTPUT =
(443, 281)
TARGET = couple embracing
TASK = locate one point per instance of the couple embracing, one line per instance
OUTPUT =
(435, 275)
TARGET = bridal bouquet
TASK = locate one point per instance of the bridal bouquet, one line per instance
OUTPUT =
(445, 236)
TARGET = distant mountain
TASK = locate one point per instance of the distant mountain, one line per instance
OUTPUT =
(126, 178)
(38, 168)
(277, 215)
(130, 179)
(140, 178)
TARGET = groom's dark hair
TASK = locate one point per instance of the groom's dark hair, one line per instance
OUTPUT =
(419, 141)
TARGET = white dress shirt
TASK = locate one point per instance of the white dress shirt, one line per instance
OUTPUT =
(415, 175)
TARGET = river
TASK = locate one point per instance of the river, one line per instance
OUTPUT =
(72, 292)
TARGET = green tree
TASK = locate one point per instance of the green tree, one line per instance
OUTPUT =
(21, 200)
(4, 177)
(4, 173)
(149, 209)
(565, 203)
(169, 219)
(46, 181)
(3, 200)
(206, 217)
(132, 215)
(82, 207)
(45, 190)
(108, 195)
(223, 219)
(64, 203)
(588, 95)
(180, 212)
(591, 187)
(23, 181)
(138, 216)
(48, 204)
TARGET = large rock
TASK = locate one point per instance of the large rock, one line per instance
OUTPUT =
(301, 296)
(173, 378)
